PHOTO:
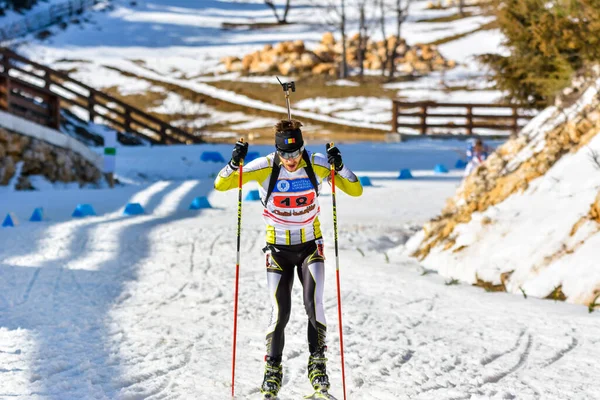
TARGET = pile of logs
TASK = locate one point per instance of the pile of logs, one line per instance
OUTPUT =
(293, 58)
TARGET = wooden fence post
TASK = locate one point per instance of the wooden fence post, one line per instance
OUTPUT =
(163, 134)
(515, 115)
(127, 121)
(4, 93)
(394, 116)
(5, 64)
(469, 120)
(91, 104)
(8, 94)
(47, 80)
(54, 106)
(423, 118)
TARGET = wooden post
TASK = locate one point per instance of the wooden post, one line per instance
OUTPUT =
(394, 116)
(469, 120)
(91, 104)
(423, 118)
(4, 93)
(54, 106)
(8, 89)
(5, 63)
(127, 120)
(163, 134)
(515, 115)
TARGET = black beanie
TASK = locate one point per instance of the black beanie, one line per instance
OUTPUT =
(288, 141)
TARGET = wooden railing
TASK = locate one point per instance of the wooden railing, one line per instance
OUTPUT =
(461, 118)
(38, 92)
(30, 102)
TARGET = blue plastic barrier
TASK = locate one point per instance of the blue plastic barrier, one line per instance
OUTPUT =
(37, 215)
(133, 209)
(253, 155)
(440, 169)
(405, 174)
(252, 195)
(199, 203)
(460, 164)
(365, 181)
(10, 221)
(213, 156)
(83, 210)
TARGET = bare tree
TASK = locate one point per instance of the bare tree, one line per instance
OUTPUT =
(401, 13)
(365, 23)
(400, 10)
(334, 17)
(382, 11)
(283, 19)
(461, 7)
(362, 38)
(344, 63)
(594, 158)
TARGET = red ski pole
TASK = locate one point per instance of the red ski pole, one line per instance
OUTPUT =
(237, 274)
(337, 273)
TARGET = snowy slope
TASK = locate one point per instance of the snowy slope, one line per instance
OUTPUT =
(548, 233)
(115, 307)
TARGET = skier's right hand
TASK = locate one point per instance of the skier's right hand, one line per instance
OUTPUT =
(238, 154)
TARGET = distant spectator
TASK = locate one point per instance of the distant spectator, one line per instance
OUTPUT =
(477, 153)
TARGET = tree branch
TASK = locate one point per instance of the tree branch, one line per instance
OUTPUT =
(270, 4)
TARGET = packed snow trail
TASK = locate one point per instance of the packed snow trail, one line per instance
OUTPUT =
(114, 307)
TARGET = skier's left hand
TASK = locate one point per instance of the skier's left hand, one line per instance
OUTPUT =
(334, 156)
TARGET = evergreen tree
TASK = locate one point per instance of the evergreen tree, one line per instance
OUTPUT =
(548, 41)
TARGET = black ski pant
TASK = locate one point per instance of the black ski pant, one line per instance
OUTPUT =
(308, 262)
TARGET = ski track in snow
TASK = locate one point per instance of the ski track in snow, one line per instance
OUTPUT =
(114, 307)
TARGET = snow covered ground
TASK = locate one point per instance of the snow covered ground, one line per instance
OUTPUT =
(141, 307)
(118, 307)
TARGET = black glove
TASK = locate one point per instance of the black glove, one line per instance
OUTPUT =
(334, 156)
(238, 154)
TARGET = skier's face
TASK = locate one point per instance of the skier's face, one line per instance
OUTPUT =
(291, 164)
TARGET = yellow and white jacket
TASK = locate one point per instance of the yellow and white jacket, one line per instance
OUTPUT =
(292, 212)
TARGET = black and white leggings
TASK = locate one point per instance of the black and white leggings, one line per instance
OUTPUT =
(310, 263)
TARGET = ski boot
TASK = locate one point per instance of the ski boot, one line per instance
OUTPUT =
(317, 372)
(273, 377)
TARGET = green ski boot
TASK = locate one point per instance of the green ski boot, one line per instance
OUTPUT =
(273, 377)
(317, 372)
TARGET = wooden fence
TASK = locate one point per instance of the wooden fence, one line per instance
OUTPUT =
(466, 118)
(30, 102)
(39, 93)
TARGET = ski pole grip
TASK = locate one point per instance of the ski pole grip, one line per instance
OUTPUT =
(242, 160)
(331, 144)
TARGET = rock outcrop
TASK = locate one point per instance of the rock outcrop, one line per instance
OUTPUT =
(37, 157)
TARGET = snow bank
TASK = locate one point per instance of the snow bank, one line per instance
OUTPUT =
(528, 219)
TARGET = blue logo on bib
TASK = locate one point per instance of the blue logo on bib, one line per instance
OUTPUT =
(282, 186)
(293, 185)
